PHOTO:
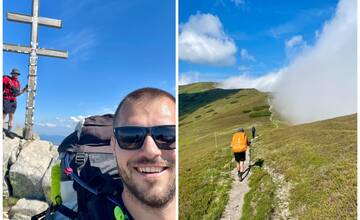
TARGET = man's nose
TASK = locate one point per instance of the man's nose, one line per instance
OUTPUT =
(149, 147)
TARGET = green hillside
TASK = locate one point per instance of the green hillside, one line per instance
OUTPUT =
(207, 122)
(197, 87)
(317, 161)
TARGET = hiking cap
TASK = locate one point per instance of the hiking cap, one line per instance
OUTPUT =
(15, 71)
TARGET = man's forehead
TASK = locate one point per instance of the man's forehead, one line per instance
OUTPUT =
(144, 102)
(157, 109)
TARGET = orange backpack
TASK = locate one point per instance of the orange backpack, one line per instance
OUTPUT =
(239, 142)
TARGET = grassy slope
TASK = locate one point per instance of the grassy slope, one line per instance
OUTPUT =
(319, 160)
(205, 165)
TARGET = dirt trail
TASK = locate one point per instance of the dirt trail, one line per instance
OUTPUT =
(282, 193)
(233, 209)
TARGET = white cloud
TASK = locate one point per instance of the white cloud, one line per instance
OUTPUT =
(79, 44)
(49, 125)
(106, 110)
(295, 46)
(263, 83)
(193, 77)
(321, 82)
(188, 78)
(78, 118)
(238, 2)
(203, 40)
(295, 40)
(244, 54)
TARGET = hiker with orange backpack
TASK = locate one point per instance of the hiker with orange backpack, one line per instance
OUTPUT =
(239, 146)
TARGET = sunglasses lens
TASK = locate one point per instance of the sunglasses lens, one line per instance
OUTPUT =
(130, 138)
(164, 136)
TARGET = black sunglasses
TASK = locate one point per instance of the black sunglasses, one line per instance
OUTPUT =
(132, 137)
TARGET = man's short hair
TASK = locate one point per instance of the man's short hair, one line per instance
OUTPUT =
(143, 93)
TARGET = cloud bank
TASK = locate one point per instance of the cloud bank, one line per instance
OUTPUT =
(202, 40)
(263, 83)
(320, 82)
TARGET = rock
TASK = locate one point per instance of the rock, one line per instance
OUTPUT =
(6, 192)
(5, 216)
(27, 173)
(11, 149)
(24, 209)
(20, 217)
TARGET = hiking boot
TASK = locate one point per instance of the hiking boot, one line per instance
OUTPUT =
(10, 135)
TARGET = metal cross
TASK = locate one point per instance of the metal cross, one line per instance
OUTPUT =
(34, 51)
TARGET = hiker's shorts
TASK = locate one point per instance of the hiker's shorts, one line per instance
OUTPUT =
(9, 106)
(240, 156)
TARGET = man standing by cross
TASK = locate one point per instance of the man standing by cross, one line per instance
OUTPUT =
(11, 89)
(34, 51)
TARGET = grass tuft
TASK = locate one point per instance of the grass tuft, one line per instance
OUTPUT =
(261, 113)
(261, 196)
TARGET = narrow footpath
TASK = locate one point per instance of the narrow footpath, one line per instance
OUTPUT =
(233, 209)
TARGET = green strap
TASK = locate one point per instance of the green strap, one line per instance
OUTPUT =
(118, 213)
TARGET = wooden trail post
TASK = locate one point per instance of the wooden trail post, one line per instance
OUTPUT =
(33, 50)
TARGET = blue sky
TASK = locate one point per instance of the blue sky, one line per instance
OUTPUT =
(114, 47)
(258, 29)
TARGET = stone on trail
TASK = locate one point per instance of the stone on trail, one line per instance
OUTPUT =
(25, 209)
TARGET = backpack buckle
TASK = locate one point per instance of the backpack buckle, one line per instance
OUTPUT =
(80, 158)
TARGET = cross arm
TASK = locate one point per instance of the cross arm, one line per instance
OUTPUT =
(39, 51)
(28, 19)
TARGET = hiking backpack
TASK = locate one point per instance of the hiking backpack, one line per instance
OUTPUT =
(86, 156)
(239, 142)
(12, 90)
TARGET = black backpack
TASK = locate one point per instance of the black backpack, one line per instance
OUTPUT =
(88, 169)
(13, 90)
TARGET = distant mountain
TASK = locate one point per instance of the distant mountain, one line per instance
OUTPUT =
(55, 139)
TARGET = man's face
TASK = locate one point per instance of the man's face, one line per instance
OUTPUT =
(148, 173)
(14, 75)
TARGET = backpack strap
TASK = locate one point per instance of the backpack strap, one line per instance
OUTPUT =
(92, 149)
(55, 208)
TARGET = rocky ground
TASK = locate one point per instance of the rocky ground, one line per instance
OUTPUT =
(27, 176)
